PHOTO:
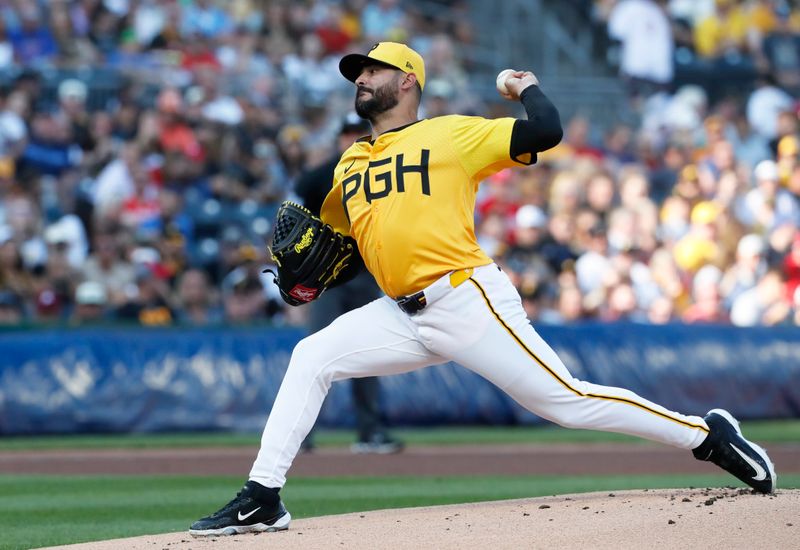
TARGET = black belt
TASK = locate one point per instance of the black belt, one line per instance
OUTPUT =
(413, 303)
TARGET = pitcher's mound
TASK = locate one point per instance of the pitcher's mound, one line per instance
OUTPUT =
(667, 518)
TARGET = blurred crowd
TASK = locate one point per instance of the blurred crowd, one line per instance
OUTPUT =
(711, 41)
(152, 204)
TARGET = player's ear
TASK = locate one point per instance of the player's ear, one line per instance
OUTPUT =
(409, 80)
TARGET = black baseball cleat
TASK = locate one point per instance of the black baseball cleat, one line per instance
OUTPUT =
(255, 509)
(726, 447)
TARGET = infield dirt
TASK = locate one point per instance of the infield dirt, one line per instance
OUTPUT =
(675, 518)
(669, 518)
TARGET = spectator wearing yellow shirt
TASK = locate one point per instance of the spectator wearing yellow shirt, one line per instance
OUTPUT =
(723, 32)
(699, 246)
(788, 153)
(764, 15)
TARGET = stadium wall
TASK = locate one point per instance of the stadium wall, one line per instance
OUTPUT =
(149, 380)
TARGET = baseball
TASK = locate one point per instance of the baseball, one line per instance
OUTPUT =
(501, 80)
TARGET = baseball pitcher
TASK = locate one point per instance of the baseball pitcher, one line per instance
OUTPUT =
(402, 201)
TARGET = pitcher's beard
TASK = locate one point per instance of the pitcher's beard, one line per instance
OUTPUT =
(380, 101)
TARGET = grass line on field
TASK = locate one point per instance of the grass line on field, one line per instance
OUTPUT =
(774, 431)
(84, 508)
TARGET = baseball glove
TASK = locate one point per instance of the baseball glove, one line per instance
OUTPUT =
(309, 254)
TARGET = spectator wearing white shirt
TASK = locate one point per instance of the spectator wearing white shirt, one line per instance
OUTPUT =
(762, 304)
(593, 268)
(106, 265)
(643, 28)
(767, 206)
(114, 184)
(749, 267)
(691, 11)
(765, 104)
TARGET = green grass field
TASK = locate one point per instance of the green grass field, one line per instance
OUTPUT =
(84, 508)
(764, 431)
(80, 508)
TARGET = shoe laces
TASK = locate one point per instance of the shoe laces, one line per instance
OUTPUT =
(234, 502)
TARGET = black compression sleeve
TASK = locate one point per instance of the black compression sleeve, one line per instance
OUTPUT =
(540, 132)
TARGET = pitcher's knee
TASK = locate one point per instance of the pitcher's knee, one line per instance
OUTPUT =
(309, 358)
(564, 410)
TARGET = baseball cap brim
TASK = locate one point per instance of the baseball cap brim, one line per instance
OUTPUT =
(351, 65)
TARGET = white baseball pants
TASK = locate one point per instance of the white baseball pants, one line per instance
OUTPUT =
(479, 324)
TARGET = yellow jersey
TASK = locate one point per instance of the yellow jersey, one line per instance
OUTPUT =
(408, 197)
(713, 32)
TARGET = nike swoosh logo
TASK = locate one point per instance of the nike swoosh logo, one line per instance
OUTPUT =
(349, 167)
(761, 474)
(243, 517)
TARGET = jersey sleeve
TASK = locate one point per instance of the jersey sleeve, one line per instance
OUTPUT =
(484, 145)
(332, 211)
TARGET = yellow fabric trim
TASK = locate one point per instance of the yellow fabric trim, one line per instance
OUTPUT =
(458, 277)
(564, 383)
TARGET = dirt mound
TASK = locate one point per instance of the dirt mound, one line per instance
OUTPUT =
(670, 518)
